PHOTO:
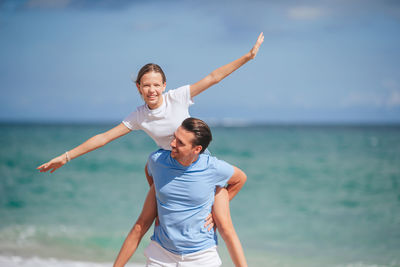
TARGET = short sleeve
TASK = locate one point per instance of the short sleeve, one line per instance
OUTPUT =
(151, 161)
(224, 172)
(131, 121)
(182, 95)
(149, 168)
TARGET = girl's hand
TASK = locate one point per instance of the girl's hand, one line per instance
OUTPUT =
(210, 222)
(53, 164)
(254, 50)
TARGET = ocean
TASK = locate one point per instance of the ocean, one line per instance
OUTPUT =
(316, 195)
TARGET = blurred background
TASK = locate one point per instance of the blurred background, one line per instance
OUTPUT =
(314, 121)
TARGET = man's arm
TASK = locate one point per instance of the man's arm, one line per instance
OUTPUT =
(236, 182)
(148, 176)
(141, 226)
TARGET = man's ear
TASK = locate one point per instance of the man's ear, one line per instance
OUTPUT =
(197, 149)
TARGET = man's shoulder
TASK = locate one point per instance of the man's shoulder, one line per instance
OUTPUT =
(208, 161)
(159, 154)
(219, 170)
(213, 162)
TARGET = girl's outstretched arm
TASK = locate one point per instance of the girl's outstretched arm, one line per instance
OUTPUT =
(89, 145)
(220, 73)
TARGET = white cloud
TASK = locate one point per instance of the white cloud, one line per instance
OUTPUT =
(387, 99)
(362, 99)
(394, 99)
(393, 87)
(305, 12)
(391, 84)
(388, 96)
(301, 101)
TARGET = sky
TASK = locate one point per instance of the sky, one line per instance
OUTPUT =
(332, 61)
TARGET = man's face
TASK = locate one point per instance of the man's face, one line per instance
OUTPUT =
(182, 147)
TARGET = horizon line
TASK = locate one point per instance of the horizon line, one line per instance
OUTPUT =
(212, 122)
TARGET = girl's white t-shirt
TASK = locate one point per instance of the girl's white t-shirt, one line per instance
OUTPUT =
(161, 123)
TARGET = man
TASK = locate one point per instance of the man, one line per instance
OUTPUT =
(185, 182)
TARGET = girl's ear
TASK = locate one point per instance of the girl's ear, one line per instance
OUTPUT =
(138, 87)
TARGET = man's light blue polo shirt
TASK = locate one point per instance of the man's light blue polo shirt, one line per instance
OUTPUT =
(185, 195)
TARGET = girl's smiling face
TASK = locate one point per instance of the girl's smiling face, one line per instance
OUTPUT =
(151, 88)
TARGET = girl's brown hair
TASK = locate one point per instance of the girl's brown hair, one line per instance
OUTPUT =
(151, 67)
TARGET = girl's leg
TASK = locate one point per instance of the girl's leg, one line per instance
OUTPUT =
(138, 230)
(222, 218)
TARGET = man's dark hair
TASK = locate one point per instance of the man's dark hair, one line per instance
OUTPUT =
(201, 131)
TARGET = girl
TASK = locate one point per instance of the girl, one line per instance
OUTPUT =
(159, 117)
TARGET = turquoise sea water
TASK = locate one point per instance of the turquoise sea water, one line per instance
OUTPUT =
(315, 195)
